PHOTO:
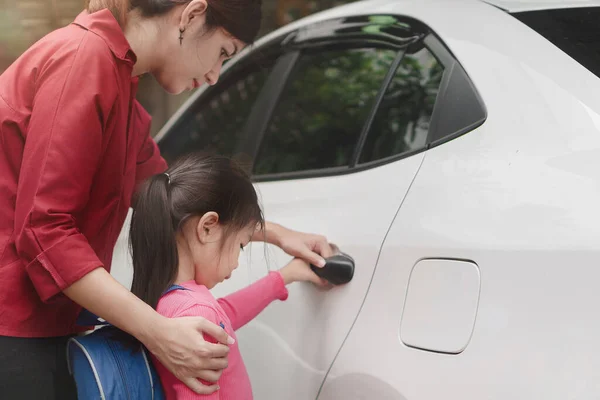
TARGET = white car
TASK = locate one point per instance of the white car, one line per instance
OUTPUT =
(452, 148)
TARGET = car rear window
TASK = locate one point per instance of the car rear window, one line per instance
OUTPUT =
(573, 30)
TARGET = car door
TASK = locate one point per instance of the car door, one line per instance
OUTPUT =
(336, 155)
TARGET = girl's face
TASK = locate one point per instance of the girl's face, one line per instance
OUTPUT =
(216, 251)
(198, 58)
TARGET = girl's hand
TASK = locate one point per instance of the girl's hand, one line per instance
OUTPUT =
(299, 270)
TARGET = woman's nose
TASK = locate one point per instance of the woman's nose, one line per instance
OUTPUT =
(212, 77)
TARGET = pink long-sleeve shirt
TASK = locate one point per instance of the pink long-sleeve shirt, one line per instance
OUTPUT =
(233, 312)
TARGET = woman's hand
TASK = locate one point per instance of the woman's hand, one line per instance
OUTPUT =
(312, 248)
(299, 270)
(179, 345)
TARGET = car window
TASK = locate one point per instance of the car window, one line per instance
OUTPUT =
(401, 123)
(322, 110)
(215, 123)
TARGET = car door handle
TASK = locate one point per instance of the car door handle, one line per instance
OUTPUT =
(338, 269)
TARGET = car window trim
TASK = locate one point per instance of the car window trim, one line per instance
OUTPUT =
(260, 115)
(375, 107)
(451, 67)
(321, 31)
(443, 57)
(448, 61)
(334, 171)
(439, 51)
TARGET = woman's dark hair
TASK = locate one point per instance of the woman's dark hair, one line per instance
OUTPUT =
(240, 18)
(192, 186)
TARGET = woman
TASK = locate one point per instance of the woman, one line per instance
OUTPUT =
(74, 144)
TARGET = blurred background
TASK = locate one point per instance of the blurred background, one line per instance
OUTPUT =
(22, 22)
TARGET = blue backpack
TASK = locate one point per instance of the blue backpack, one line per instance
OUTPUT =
(104, 367)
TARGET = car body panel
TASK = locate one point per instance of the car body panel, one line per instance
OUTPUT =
(289, 347)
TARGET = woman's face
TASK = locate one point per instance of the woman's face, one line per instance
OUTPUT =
(199, 56)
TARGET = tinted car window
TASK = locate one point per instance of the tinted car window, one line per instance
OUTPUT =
(322, 110)
(215, 123)
(401, 123)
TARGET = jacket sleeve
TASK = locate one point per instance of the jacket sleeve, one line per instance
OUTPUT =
(63, 146)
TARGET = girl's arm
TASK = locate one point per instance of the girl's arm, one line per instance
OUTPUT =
(245, 304)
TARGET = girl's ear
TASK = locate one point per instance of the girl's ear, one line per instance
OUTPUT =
(207, 229)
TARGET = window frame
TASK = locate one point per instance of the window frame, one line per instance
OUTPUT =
(287, 50)
(267, 113)
(436, 135)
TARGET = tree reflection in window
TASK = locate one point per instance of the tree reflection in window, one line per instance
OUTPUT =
(402, 120)
(322, 110)
(215, 124)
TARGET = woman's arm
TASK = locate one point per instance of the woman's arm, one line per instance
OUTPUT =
(178, 343)
(173, 388)
(312, 248)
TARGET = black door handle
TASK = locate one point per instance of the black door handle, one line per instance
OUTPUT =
(338, 269)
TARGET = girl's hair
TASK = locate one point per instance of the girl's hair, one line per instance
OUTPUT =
(240, 18)
(192, 186)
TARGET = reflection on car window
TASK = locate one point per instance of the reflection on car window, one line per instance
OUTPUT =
(322, 110)
(216, 122)
(402, 121)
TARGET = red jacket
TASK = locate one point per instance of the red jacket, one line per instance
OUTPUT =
(74, 143)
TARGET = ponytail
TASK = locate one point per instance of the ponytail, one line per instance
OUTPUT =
(119, 8)
(152, 241)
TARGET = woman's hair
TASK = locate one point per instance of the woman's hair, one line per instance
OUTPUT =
(240, 18)
(192, 186)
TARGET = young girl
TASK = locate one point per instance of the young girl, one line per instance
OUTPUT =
(188, 228)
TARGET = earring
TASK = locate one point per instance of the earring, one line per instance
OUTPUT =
(181, 36)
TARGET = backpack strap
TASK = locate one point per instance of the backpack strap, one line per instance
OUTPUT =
(87, 318)
(174, 287)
